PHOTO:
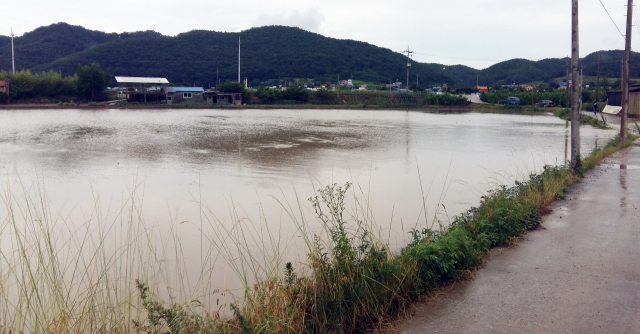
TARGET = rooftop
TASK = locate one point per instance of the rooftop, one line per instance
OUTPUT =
(142, 80)
(185, 89)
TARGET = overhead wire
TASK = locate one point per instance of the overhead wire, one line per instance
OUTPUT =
(612, 21)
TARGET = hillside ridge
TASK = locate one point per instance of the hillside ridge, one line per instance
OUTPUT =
(270, 54)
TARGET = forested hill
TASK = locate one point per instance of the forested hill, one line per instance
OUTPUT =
(274, 52)
(47, 44)
(527, 71)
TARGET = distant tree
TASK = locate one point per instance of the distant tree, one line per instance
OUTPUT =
(416, 88)
(605, 85)
(230, 87)
(296, 93)
(268, 95)
(617, 84)
(22, 85)
(92, 81)
(325, 94)
(586, 96)
(544, 88)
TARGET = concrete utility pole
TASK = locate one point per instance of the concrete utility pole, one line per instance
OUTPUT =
(575, 102)
(625, 73)
(408, 63)
(13, 59)
(595, 100)
(238, 59)
(566, 81)
(581, 88)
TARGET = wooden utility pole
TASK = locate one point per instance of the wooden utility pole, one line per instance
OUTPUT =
(408, 63)
(625, 73)
(595, 100)
(566, 91)
(575, 93)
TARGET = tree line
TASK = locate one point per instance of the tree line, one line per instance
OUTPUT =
(87, 83)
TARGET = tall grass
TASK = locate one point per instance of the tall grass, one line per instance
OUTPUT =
(118, 274)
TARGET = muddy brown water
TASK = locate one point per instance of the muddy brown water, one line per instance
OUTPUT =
(251, 165)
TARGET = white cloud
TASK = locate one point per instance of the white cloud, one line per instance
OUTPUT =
(309, 20)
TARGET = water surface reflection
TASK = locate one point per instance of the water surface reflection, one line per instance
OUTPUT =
(240, 158)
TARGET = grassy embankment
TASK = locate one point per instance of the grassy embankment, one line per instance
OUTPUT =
(356, 283)
(565, 114)
(350, 283)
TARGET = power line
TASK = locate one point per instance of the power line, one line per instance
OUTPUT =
(635, 20)
(612, 21)
(448, 57)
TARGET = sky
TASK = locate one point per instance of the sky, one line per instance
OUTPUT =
(469, 32)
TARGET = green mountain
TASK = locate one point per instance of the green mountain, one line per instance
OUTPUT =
(273, 52)
(527, 71)
(270, 53)
(44, 45)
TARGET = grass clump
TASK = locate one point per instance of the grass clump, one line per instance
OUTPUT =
(600, 153)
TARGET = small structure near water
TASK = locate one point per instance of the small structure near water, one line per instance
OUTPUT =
(141, 89)
(183, 95)
(157, 90)
(614, 99)
(212, 96)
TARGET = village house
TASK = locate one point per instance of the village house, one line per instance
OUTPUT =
(396, 85)
(184, 95)
(211, 96)
(614, 101)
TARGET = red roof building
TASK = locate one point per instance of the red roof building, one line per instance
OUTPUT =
(4, 87)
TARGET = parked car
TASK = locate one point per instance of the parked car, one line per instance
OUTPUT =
(546, 104)
(512, 100)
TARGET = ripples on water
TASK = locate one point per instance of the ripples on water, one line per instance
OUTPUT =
(242, 159)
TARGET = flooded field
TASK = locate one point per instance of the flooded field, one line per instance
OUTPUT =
(179, 172)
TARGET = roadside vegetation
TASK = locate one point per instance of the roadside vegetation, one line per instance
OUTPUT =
(299, 95)
(600, 123)
(350, 282)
